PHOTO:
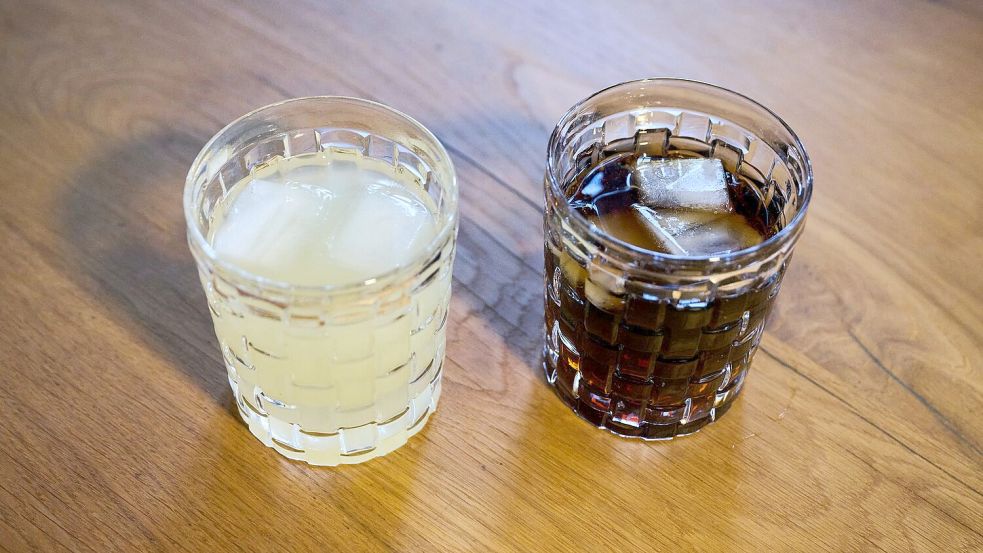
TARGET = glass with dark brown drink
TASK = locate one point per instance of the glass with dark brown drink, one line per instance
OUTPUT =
(671, 211)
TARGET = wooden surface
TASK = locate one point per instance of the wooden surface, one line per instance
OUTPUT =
(860, 426)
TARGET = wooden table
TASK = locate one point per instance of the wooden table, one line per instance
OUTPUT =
(859, 430)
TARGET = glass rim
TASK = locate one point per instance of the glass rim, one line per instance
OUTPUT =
(444, 231)
(770, 244)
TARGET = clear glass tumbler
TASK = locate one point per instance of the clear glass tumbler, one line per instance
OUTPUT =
(332, 374)
(649, 344)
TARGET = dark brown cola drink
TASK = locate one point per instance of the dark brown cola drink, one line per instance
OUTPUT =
(639, 366)
(672, 209)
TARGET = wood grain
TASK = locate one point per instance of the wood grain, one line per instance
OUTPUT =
(859, 429)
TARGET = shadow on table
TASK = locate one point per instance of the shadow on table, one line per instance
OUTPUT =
(499, 265)
(123, 230)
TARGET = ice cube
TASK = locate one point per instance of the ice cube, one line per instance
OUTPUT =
(275, 230)
(697, 184)
(386, 226)
(664, 229)
(696, 232)
(324, 225)
(728, 232)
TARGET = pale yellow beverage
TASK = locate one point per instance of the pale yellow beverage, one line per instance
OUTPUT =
(354, 376)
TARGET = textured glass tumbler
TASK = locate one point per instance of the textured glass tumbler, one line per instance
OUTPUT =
(654, 345)
(328, 374)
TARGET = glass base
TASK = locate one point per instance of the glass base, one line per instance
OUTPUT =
(689, 421)
(347, 446)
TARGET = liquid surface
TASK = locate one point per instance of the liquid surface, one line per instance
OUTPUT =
(324, 219)
(680, 206)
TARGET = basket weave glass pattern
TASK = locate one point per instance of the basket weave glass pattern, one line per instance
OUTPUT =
(654, 345)
(297, 389)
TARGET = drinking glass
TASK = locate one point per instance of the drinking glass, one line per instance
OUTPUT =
(648, 344)
(331, 374)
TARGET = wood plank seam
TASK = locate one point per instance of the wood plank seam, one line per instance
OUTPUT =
(868, 421)
(931, 408)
